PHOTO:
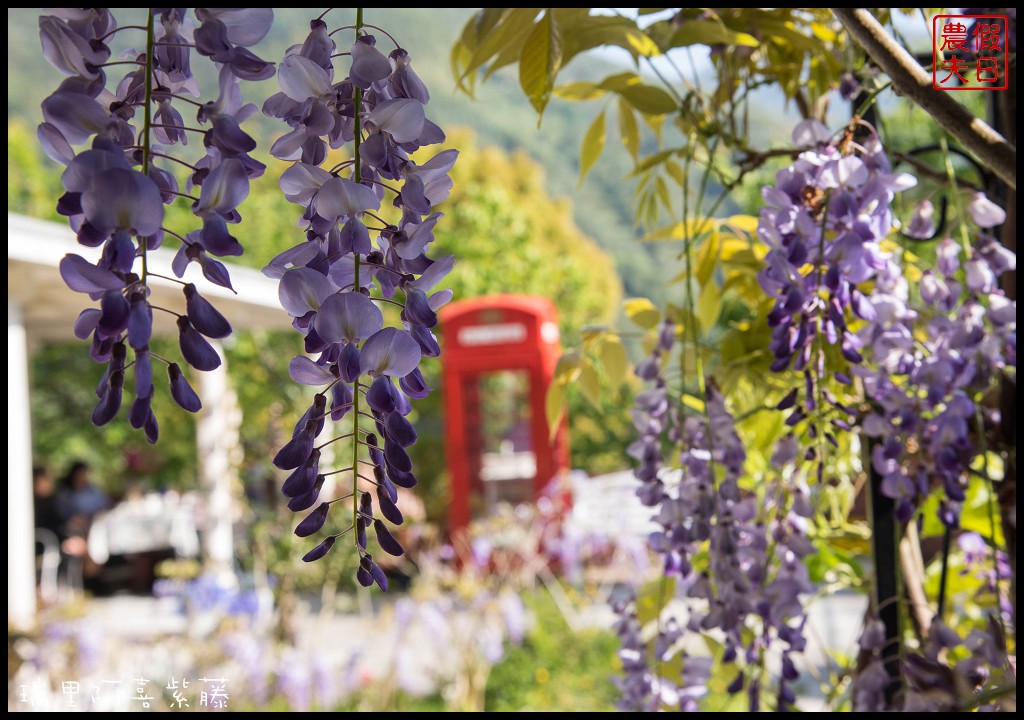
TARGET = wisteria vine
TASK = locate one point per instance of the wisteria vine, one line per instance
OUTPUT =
(335, 282)
(117, 188)
(737, 551)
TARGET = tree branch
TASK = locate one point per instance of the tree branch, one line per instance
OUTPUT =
(910, 79)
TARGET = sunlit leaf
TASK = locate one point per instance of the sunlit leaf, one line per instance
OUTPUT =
(709, 306)
(707, 257)
(590, 383)
(628, 129)
(539, 62)
(593, 145)
(642, 312)
(709, 32)
(579, 91)
(614, 359)
(494, 32)
(653, 598)
(554, 406)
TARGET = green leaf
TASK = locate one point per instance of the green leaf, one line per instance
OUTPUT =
(642, 312)
(593, 144)
(692, 228)
(628, 129)
(653, 598)
(649, 99)
(614, 359)
(709, 32)
(709, 306)
(539, 62)
(590, 383)
(495, 32)
(707, 257)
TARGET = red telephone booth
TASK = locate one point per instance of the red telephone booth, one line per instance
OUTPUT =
(499, 358)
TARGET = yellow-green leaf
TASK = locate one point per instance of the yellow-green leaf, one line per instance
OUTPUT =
(614, 359)
(590, 383)
(653, 598)
(554, 406)
(709, 32)
(746, 223)
(649, 99)
(628, 129)
(539, 62)
(579, 91)
(693, 402)
(642, 312)
(709, 305)
(692, 228)
(497, 31)
(593, 144)
(707, 257)
(642, 43)
(567, 369)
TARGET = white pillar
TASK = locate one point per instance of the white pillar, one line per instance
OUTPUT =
(219, 449)
(21, 571)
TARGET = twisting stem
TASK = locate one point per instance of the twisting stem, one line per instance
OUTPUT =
(190, 166)
(377, 27)
(148, 123)
(122, 27)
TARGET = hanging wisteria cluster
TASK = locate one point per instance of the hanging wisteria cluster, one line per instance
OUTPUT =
(923, 367)
(928, 366)
(737, 555)
(829, 211)
(921, 361)
(351, 263)
(117, 188)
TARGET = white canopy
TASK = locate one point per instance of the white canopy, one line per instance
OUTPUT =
(41, 309)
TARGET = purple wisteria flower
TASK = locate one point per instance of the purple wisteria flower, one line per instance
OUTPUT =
(116, 188)
(352, 263)
(823, 221)
(928, 368)
(737, 557)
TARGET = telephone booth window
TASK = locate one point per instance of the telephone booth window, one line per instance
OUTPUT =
(499, 358)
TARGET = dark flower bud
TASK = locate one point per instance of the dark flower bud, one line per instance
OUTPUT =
(140, 410)
(204, 316)
(110, 402)
(194, 348)
(397, 457)
(303, 478)
(400, 430)
(386, 540)
(297, 450)
(361, 524)
(181, 391)
(305, 502)
(388, 508)
(314, 521)
(320, 550)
